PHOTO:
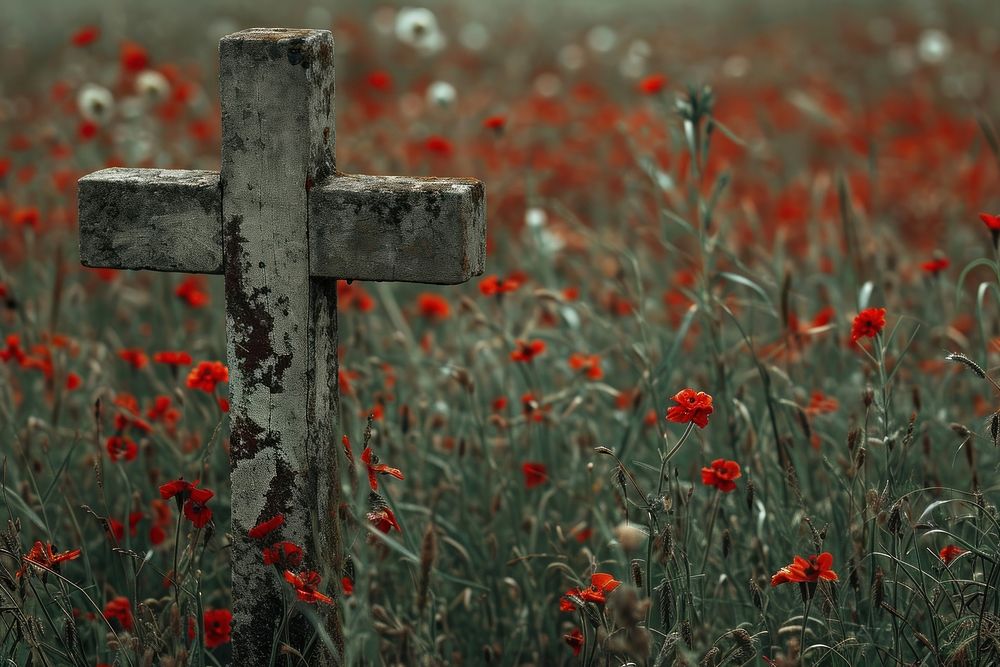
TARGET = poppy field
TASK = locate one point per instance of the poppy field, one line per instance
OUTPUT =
(726, 393)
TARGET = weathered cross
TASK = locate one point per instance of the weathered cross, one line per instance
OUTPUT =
(282, 224)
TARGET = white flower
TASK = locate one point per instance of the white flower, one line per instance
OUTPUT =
(934, 46)
(418, 27)
(535, 217)
(96, 103)
(152, 86)
(601, 39)
(441, 93)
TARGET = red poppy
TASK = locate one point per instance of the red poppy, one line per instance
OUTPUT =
(495, 123)
(535, 474)
(438, 145)
(433, 306)
(178, 488)
(44, 555)
(575, 641)
(119, 609)
(283, 555)
(868, 324)
(192, 292)
(133, 57)
(306, 585)
(495, 286)
(721, 475)
(588, 364)
(206, 375)
(73, 381)
(600, 585)
(653, 84)
(383, 519)
(692, 406)
(265, 528)
(135, 358)
(122, 447)
(196, 510)
(218, 626)
(172, 358)
(992, 222)
(805, 571)
(950, 552)
(936, 266)
(380, 80)
(375, 468)
(85, 36)
(526, 351)
(348, 586)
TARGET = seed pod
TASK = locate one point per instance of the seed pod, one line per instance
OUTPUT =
(727, 543)
(878, 591)
(756, 595)
(686, 633)
(636, 574)
(751, 492)
(711, 658)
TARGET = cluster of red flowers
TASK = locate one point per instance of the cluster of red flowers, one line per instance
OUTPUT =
(206, 375)
(526, 351)
(588, 364)
(43, 555)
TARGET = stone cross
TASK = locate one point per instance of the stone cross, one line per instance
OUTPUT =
(282, 225)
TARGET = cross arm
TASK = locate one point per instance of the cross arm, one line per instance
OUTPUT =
(398, 228)
(158, 219)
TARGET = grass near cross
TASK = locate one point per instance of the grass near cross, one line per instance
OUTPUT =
(727, 394)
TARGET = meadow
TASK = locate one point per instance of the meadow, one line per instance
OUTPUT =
(725, 395)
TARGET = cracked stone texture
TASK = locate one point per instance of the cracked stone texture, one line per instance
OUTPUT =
(154, 219)
(398, 228)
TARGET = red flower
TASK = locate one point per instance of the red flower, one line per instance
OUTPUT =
(438, 145)
(44, 555)
(992, 222)
(494, 286)
(133, 57)
(589, 364)
(283, 555)
(868, 324)
(172, 358)
(218, 626)
(495, 123)
(575, 641)
(265, 528)
(721, 475)
(535, 474)
(433, 306)
(805, 571)
(178, 488)
(85, 36)
(192, 291)
(950, 552)
(122, 447)
(692, 406)
(384, 520)
(653, 84)
(134, 357)
(375, 468)
(196, 510)
(348, 586)
(600, 585)
(936, 266)
(73, 381)
(306, 585)
(119, 609)
(206, 375)
(526, 351)
(380, 80)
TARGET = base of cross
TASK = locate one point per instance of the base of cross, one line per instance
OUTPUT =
(282, 225)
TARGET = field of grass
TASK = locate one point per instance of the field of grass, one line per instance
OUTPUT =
(795, 211)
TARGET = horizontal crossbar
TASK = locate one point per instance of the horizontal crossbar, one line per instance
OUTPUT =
(381, 228)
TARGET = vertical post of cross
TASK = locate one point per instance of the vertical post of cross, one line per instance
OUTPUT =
(277, 94)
